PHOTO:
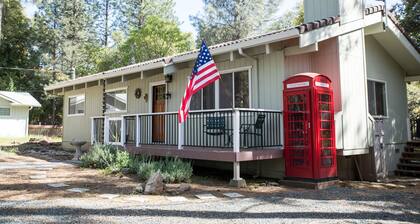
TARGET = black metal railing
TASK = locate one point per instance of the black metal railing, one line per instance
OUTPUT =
(260, 128)
(98, 130)
(209, 129)
(130, 129)
(160, 128)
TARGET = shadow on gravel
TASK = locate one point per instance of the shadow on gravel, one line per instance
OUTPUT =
(81, 214)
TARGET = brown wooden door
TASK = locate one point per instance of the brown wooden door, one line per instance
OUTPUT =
(158, 121)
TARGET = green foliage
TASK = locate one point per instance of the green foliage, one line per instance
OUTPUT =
(111, 159)
(157, 38)
(172, 169)
(407, 13)
(413, 95)
(223, 20)
(105, 156)
(293, 17)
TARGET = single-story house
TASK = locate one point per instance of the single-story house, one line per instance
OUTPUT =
(362, 50)
(14, 113)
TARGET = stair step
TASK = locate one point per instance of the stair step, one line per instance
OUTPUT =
(415, 173)
(411, 149)
(411, 154)
(408, 166)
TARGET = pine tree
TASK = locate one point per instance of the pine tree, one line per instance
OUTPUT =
(225, 20)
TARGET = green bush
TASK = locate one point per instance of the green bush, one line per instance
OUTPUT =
(172, 169)
(105, 156)
(110, 158)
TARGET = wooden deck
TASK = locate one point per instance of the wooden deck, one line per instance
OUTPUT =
(211, 154)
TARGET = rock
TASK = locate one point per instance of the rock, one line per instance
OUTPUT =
(139, 188)
(154, 184)
(273, 184)
(125, 170)
(43, 143)
(184, 187)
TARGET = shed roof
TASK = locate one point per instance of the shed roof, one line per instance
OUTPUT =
(20, 98)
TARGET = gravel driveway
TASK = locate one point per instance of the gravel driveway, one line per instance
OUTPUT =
(335, 205)
(23, 200)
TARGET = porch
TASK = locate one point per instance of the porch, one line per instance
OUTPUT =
(227, 135)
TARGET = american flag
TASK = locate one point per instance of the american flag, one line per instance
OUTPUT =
(203, 74)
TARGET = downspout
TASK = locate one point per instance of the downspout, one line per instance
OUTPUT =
(256, 60)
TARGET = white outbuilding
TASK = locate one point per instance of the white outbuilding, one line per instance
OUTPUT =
(14, 113)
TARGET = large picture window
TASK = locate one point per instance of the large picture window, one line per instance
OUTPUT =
(377, 98)
(4, 112)
(116, 101)
(233, 92)
(77, 105)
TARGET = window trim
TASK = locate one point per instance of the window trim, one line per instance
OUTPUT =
(126, 104)
(10, 111)
(217, 87)
(68, 106)
(386, 97)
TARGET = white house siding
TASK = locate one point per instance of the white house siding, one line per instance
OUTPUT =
(15, 125)
(382, 67)
(353, 91)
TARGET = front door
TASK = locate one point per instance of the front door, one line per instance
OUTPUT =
(158, 106)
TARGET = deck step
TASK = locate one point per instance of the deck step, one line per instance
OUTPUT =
(411, 149)
(412, 173)
(414, 143)
(409, 166)
(415, 155)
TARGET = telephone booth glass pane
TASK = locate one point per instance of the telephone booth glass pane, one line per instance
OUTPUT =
(326, 119)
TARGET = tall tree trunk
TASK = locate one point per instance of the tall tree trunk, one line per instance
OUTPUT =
(106, 23)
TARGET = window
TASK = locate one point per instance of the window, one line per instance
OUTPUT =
(116, 101)
(77, 105)
(377, 98)
(4, 111)
(233, 92)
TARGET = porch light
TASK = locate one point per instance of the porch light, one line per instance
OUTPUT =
(168, 78)
(168, 96)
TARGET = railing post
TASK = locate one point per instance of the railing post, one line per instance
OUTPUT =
(92, 130)
(123, 137)
(236, 127)
(137, 131)
(106, 130)
(181, 135)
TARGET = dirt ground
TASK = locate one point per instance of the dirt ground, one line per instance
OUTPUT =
(15, 184)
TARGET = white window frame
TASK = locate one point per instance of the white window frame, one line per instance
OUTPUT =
(126, 104)
(151, 85)
(217, 87)
(68, 106)
(386, 97)
(10, 111)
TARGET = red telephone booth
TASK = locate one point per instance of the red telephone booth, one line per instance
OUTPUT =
(310, 152)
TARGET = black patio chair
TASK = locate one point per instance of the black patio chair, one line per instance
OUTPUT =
(255, 129)
(216, 126)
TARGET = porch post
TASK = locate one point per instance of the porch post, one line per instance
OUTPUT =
(122, 140)
(106, 130)
(181, 135)
(137, 131)
(92, 130)
(237, 181)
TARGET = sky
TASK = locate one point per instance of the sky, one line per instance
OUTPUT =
(186, 8)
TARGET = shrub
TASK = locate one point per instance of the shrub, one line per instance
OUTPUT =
(105, 156)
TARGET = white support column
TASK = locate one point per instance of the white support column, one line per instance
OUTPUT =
(181, 135)
(122, 140)
(106, 130)
(92, 130)
(237, 181)
(236, 127)
(137, 131)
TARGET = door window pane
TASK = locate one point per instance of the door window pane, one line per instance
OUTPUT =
(376, 98)
(226, 91)
(241, 89)
(76, 105)
(116, 101)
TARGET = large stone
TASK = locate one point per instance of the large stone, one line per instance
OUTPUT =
(139, 188)
(154, 184)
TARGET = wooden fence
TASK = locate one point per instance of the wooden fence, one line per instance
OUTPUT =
(46, 130)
